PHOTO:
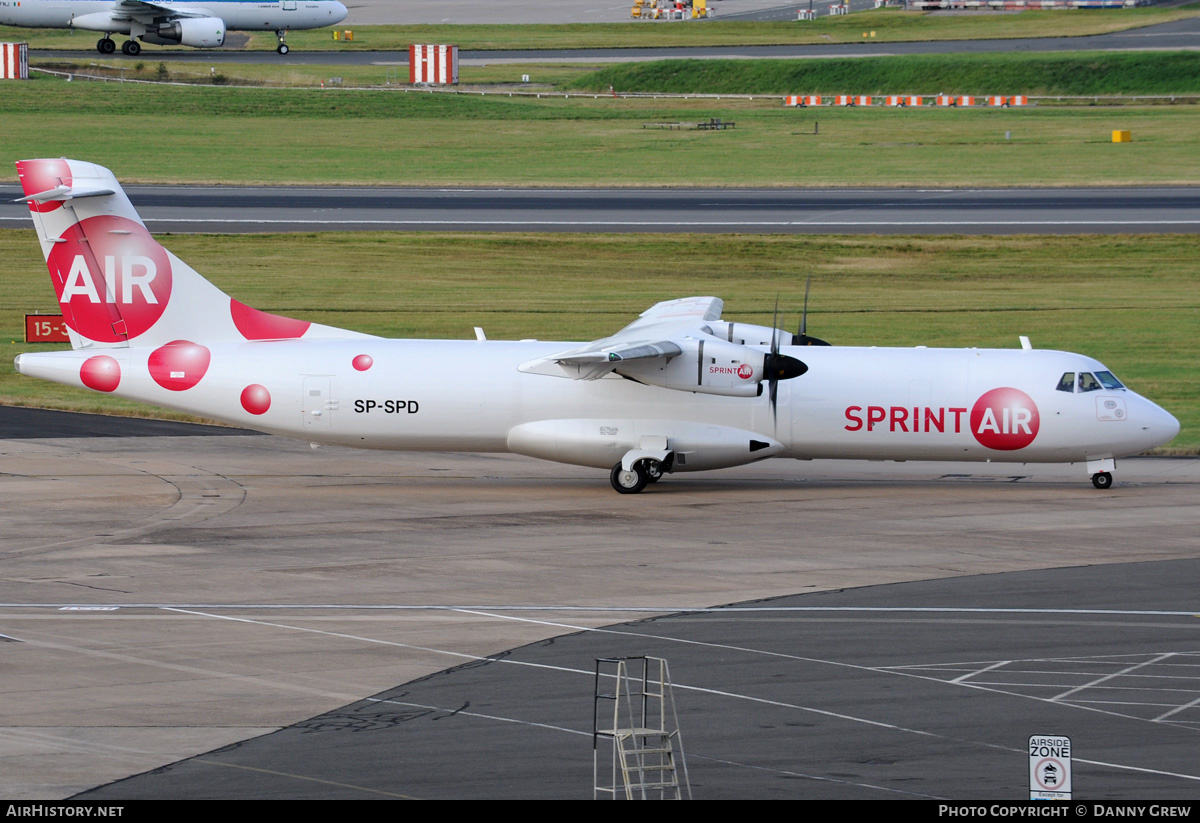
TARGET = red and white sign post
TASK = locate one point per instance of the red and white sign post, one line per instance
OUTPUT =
(14, 61)
(437, 65)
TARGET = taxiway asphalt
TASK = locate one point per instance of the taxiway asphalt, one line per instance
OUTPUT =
(283, 622)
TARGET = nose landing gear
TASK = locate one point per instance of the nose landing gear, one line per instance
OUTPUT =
(1102, 480)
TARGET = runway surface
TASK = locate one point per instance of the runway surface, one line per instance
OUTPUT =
(1178, 35)
(233, 209)
(242, 605)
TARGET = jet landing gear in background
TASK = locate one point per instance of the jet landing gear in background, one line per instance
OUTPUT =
(105, 45)
(1102, 480)
(282, 48)
(131, 47)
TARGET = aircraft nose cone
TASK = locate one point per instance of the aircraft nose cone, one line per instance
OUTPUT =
(340, 12)
(1159, 425)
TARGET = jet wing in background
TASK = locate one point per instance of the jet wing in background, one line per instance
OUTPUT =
(149, 13)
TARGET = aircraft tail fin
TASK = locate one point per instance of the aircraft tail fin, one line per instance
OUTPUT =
(116, 285)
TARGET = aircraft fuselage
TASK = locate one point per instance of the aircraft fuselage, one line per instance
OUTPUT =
(869, 403)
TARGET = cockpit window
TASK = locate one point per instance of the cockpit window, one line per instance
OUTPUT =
(1067, 382)
(1107, 379)
(1088, 382)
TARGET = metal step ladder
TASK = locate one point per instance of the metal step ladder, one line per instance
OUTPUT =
(633, 712)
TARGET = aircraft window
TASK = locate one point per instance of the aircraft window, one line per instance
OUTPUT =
(1107, 379)
(1067, 383)
(1088, 382)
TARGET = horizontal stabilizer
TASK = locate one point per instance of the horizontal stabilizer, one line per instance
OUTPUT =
(63, 193)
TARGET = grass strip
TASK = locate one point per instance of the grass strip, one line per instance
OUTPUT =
(304, 136)
(1088, 73)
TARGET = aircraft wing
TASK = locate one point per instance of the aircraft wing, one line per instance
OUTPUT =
(657, 335)
(143, 10)
(685, 309)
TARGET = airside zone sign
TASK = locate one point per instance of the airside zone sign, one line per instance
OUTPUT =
(1049, 767)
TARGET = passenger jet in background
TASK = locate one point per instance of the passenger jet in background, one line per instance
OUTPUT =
(680, 389)
(200, 24)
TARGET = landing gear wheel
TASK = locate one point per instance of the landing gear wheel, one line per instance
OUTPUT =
(283, 49)
(629, 482)
(131, 47)
(654, 470)
(105, 45)
(1102, 480)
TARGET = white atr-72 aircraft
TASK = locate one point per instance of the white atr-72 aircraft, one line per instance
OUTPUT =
(677, 390)
(201, 24)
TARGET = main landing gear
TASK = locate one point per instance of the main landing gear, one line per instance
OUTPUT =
(282, 48)
(638, 476)
(1102, 480)
(106, 45)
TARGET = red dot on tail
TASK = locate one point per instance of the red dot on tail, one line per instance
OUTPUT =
(101, 373)
(363, 362)
(38, 176)
(256, 399)
(179, 365)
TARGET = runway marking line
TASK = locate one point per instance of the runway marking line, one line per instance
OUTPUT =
(1108, 677)
(302, 777)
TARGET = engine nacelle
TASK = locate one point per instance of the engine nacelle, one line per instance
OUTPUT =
(748, 334)
(704, 366)
(601, 443)
(197, 32)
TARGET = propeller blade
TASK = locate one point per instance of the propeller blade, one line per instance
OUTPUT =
(801, 338)
(804, 314)
(774, 395)
(771, 366)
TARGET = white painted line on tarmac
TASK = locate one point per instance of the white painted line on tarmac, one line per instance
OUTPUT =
(1177, 710)
(493, 607)
(304, 778)
(970, 674)
(1107, 677)
(496, 717)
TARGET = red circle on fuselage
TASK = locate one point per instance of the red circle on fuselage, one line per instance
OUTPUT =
(1005, 419)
